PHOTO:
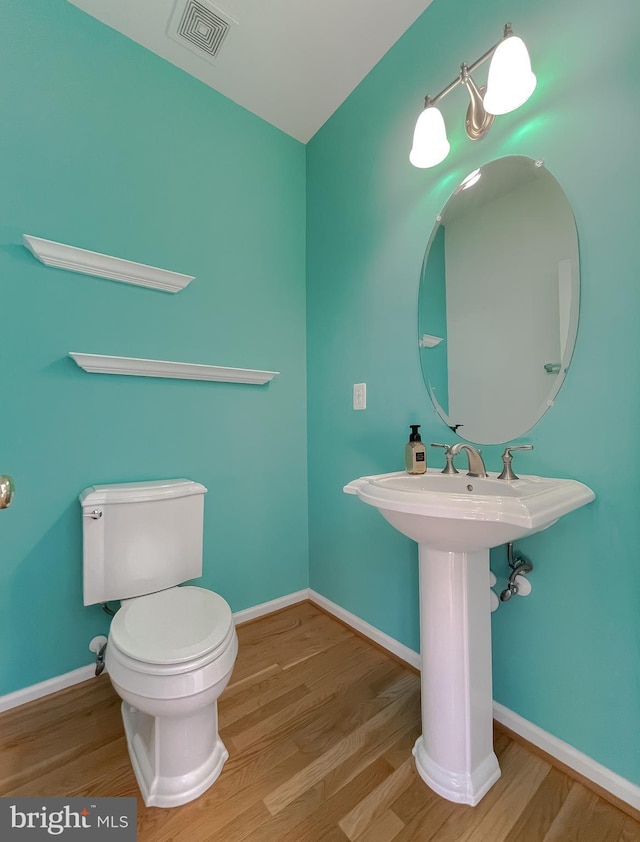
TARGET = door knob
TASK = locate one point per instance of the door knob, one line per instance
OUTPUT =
(7, 490)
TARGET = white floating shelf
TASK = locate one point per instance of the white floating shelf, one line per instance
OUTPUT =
(101, 364)
(104, 266)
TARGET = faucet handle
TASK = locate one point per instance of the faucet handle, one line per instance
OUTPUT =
(449, 468)
(507, 472)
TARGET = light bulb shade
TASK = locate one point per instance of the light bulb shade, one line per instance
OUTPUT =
(510, 82)
(430, 144)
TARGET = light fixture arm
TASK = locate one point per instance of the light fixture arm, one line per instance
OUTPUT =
(478, 121)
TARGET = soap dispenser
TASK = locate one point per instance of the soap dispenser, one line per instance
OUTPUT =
(415, 454)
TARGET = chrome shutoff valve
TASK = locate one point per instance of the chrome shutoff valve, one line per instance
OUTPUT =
(99, 646)
(517, 583)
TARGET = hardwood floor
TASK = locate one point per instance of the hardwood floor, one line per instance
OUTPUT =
(319, 725)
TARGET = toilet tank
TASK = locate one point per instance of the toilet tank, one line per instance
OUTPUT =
(140, 537)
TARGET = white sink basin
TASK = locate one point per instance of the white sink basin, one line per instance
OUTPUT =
(460, 513)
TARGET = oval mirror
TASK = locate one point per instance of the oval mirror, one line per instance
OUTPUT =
(498, 301)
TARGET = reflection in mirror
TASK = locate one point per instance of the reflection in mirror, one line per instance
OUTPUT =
(499, 299)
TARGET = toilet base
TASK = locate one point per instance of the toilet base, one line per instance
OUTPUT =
(175, 758)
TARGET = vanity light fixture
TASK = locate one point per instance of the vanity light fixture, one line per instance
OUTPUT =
(510, 84)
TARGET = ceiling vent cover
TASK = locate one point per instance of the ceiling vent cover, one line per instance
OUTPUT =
(200, 26)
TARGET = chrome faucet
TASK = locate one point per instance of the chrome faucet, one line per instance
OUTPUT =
(476, 465)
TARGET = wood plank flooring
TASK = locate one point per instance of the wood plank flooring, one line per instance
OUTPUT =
(319, 725)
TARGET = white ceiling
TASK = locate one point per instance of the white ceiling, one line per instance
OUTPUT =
(291, 62)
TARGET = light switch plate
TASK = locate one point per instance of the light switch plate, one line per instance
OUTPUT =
(359, 395)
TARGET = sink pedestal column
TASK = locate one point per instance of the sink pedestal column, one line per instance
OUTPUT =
(454, 755)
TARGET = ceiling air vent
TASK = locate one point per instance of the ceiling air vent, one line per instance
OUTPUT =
(200, 26)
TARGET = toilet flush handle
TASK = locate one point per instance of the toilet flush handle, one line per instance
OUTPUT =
(96, 514)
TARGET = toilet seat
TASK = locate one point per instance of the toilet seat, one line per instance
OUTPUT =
(171, 644)
(175, 626)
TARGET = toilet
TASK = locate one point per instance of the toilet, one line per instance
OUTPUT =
(171, 647)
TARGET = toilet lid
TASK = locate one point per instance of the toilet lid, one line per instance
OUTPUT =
(171, 626)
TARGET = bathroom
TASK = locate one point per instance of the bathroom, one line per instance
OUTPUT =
(307, 260)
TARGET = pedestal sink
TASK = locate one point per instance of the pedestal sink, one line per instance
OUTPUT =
(456, 520)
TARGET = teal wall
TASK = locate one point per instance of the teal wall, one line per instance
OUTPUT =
(567, 658)
(106, 146)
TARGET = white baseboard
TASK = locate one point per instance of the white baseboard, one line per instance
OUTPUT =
(389, 643)
(269, 607)
(611, 782)
(45, 688)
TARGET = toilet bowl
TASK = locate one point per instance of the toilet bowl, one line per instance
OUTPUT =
(171, 647)
(169, 656)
